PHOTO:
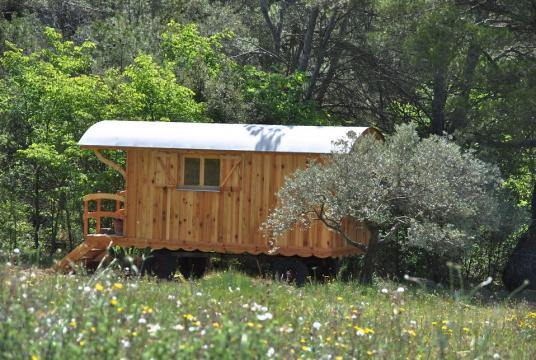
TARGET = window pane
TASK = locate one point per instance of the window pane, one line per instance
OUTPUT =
(192, 167)
(212, 172)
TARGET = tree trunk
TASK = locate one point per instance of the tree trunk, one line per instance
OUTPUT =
(68, 225)
(333, 65)
(521, 265)
(55, 224)
(303, 61)
(532, 226)
(369, 261)
(438, 103)
(321, 53)
(37, 212)
(459, 116)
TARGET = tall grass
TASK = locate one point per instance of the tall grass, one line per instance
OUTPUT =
(228, 315)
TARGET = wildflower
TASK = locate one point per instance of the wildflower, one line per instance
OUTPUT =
(35, 357)
(496, 356)
(466, 330)
(216, 325)
(338, 357)
(142, 321)
(400, 290)
(72, 323)
(125, 343)
(265, 316)
(384, 291)
(411, 332)
(178, 327)
(188, 316)
(87, 289)
(532, 315)
(250, 324)
(270, 352)
(306, 348)
(93, 329)
(198, 294)
(120, 310)
(370, 352)
(434, 323)
(118, 286)
(99, 287)
(316, 325)
(81, 343)
(147, 310)
(113, 301)
(339, 298)
(152, 329)
(413, 323)
(16, 251)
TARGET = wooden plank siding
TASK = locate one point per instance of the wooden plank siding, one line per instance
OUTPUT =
(161, 214)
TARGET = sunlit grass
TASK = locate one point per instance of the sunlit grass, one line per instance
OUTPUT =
(230, 315)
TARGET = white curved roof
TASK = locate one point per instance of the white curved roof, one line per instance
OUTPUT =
(210, 136)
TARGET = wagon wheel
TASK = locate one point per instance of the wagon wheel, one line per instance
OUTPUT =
(161, 263)
(290, 271)
(193, 267)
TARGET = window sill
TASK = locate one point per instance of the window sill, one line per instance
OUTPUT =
(198, 188)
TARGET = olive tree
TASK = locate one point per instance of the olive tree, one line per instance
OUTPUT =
(439, 195)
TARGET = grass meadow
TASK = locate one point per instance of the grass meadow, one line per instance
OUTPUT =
(229, 315)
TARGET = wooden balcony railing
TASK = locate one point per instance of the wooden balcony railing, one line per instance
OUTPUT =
(118, 214)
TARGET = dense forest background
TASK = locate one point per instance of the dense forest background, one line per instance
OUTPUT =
(465, 68)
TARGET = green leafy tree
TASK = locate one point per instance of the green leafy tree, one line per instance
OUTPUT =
(151, 92)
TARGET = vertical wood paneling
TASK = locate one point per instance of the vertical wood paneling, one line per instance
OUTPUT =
(231, 217)
(132, 192)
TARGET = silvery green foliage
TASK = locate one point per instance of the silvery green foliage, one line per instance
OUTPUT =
(442, 195)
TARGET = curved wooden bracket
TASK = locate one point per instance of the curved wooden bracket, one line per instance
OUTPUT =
(111, 164)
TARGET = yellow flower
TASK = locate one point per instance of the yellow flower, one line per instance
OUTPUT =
(411, 332)
(215, 325)
(339, 298)
(444, 327)
(305, 348)
(466, 330)
(120, 310)
(134, 334)
(82, 342)
(338, 357)
(370, 353)
(434, 323)
(35, 357)
(532, 315)
(72, 323)
(118, 286)
(149, 310)
(113, 301)
(188, 316)
(99, 287)
(93, 329)
(250, 324)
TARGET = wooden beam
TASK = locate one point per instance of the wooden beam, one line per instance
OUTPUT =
(111, 164)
